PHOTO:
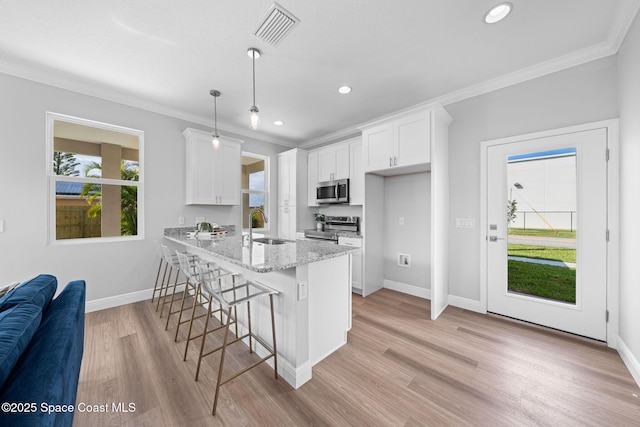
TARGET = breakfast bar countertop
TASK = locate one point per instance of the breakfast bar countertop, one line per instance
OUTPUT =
(260, 257)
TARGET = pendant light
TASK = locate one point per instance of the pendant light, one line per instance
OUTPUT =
(254, 53)
(215, 137)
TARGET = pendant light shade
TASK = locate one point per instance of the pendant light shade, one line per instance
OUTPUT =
(254, 53)
(215, 138)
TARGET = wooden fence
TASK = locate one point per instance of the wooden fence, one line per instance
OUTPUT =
(72, 222)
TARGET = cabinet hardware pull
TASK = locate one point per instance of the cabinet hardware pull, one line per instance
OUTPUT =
(390, 161)
(395, 161)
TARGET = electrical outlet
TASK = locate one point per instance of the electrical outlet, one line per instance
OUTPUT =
(404, 260)
(302, 291)
(180, 220)
(199, 219)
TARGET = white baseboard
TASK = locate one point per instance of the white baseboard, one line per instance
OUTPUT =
(109, 302)
(466, 303)
(295, 377)
(632, 363)
(407, 289)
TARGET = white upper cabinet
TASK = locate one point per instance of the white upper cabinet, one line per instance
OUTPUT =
(356, 173)
(312, 179)
(287, 169)
(212, 176)
(333, 162)
(399, 143)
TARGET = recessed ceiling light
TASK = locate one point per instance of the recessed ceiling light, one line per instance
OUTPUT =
(278, 123)
(498, 13)
(344, 89)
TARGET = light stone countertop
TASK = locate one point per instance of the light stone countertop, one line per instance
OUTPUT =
(260, 258)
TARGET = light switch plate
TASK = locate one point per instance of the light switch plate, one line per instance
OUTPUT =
(1, 225)
(465, 223)
(180, 220)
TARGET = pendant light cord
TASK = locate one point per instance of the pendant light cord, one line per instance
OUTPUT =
(253, 56)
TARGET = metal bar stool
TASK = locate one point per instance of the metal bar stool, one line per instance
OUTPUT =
(169, 263)
(193, 281)
(172, 261)
(230, 293)
(157, 288)
(208, 278)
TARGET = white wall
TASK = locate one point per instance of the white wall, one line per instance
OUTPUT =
(582, 94)
(110, 269)
(408, 196)
(629, 94)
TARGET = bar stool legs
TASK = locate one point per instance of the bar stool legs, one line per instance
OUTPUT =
(155, 286)
(226, 343)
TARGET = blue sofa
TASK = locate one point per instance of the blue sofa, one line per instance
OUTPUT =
(41, 345)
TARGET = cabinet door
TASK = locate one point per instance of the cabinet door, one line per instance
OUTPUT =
(287, 222)
(326, 164)
(228, 173)
(284, 179)
(378, 147)
(312, 178)
(356, 174)
(341, 156)
(412, 140)
(200, 178)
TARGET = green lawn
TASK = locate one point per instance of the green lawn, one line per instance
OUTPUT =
(541, 232)
(542, 252)
(545, 281)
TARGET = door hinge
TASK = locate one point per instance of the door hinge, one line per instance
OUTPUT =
(607, 235)
(607, 316)
(608, 155)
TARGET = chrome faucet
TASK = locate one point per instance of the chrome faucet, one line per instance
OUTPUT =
(264, 217)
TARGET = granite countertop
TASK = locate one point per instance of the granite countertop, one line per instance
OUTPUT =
(259, 257)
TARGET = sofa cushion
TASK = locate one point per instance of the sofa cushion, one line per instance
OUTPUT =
(18, 324)
(48, 370)
(38, 291)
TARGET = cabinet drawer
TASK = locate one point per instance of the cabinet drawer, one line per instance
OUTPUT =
(350, 241)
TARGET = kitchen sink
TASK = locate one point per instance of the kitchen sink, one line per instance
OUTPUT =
(269, 241)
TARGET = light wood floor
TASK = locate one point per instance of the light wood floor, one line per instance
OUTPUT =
(398, 369)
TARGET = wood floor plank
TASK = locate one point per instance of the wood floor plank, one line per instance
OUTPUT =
(398, 368)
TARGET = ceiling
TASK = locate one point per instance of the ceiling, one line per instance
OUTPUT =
(165, 55)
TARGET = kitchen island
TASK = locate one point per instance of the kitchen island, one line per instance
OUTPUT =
(313, 307)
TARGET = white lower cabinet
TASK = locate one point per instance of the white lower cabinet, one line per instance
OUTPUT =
(356, 261)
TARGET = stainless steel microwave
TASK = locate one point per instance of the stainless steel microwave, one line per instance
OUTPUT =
(333, 191)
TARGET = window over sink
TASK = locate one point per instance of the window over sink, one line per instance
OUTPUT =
(255, 190)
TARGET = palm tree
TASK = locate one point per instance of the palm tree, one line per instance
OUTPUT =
(128, 195)
(65, 164)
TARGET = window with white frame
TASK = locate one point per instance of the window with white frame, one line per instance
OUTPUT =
(95, 177)
(255, 194)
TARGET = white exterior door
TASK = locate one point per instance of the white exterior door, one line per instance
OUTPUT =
(586, 187)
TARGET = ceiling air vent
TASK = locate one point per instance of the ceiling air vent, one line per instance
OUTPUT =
(275, 25)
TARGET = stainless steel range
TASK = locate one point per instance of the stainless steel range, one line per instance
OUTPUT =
(334, 224)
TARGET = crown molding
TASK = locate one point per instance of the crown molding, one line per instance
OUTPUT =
(626, 15)
(580, 57)
(54, 79)
(620, 27)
